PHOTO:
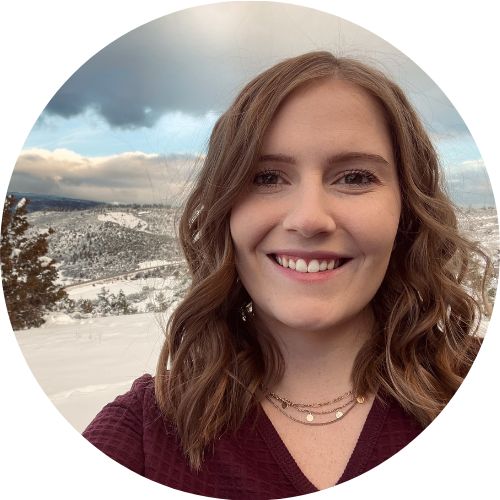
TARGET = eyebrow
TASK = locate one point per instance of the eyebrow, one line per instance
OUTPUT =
(335, 159)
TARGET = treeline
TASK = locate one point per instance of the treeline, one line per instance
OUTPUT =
(110, 304)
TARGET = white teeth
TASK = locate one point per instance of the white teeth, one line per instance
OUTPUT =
(301, 266)
(314, 265)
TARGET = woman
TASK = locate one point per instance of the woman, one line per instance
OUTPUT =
(327, 322)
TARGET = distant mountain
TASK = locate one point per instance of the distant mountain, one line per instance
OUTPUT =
(49, 202)
(103, 241)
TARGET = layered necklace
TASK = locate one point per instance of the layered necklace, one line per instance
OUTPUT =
(316, 413)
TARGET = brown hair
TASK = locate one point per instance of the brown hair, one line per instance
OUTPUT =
(424, 343)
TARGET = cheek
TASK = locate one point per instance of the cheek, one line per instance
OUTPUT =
(249, 223)
(240, 215)
(375, 228)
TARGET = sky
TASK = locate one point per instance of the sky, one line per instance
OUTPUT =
(133, 121)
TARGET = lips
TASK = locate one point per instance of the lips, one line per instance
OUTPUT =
(308, 264)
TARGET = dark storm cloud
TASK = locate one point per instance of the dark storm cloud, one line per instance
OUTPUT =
(163, 66)
(196, 60)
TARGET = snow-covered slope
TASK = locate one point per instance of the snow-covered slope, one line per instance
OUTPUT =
(124, 219)
(90, 244)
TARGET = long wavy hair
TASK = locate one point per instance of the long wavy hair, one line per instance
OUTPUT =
(216, 356)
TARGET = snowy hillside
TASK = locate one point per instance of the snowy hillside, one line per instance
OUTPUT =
(481, 224)
(105, 241)
(124, 219)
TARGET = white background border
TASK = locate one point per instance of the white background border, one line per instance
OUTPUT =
(43, 43)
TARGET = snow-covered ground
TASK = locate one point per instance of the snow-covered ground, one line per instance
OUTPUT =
(90, 290)
(124, 219)
(152, 263)
(143, 294)
(83, 364)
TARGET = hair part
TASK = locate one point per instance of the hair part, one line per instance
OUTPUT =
(426, 320)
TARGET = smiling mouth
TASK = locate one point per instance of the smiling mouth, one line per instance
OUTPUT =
(309, 265)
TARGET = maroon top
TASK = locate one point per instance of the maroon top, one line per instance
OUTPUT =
(252, 463)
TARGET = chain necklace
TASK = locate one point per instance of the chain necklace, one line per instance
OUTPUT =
(284, 405)
(286, 402)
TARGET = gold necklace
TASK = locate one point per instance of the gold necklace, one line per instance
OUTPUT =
(339, 411)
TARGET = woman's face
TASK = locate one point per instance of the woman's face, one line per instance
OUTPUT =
(314, 233)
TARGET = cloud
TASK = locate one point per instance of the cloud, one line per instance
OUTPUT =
(468, 183)
(137, 177)
(472, 165)
(197, 59)
(469, 173)
(132, 177)
(90, 135)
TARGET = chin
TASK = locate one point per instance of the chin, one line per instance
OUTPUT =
(315, 320)
(308, 323)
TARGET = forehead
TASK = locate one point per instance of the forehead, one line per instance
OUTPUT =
(330, 113)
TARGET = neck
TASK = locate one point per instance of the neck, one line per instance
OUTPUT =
(318, 365)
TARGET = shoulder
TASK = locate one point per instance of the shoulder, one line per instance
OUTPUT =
(138, 400)
(117, 430)
(141, 393)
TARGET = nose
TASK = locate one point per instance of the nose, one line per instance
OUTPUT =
(310, 212)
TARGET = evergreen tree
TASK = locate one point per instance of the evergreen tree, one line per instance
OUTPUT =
(161, 302)
(103, 302)
(28, 275)
(86, 306)
(121, 305)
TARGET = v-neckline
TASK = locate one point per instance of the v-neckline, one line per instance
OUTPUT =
(356, 463)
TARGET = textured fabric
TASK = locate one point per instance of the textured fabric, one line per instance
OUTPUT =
(252, 463)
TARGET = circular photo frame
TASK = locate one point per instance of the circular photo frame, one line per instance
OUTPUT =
(109, 162)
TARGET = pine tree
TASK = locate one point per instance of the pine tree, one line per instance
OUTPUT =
(28, 275)
(161, 302)
(85, 306)
(121, 304)
(103, 302)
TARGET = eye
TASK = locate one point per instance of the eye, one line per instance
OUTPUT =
(268, 178)
(357, 178)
